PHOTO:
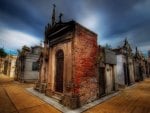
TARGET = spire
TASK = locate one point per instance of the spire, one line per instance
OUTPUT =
(53, 15)
(136, 49)
(126, 41)
(127, 46)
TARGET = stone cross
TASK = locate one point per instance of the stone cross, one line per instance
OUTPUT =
(60, 17)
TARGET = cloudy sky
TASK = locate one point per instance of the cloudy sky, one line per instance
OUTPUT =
(22, 22)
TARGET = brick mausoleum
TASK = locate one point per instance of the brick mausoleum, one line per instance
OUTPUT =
(69, 63)
(75, 70)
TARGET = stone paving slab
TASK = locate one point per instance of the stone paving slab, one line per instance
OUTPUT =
(44, 108)
(22, 99)
(15, 99)
(5, 102)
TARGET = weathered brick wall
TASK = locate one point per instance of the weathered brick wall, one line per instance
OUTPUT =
(85, 68)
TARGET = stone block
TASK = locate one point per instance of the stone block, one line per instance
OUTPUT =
(71, 101)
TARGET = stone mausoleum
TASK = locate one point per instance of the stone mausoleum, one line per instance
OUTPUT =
(125, 65)
(27, 67)
(107, 71)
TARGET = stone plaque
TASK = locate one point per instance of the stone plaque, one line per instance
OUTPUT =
(110, 57)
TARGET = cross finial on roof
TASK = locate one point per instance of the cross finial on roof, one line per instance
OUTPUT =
(60, 17)
(54, 5)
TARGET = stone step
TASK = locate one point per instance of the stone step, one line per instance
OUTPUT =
(55, 97)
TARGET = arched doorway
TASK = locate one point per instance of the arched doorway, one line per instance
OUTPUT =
(59, 71)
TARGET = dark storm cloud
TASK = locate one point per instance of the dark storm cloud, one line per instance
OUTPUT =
(122, 16)
(127, 18)
(110, 19)
(21, 15)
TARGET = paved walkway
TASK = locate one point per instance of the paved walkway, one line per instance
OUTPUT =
(131, 100)
(15, 99)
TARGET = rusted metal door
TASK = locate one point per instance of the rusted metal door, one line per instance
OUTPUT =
(140, 72)
(111, 79)
(59, 71)
(137, 73)
(102, 81)
(126, 74)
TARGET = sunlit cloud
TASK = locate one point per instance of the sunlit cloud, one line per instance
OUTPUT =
(90, 21)
(13, 39)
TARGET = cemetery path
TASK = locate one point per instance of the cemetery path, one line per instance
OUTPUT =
(14, 98)
(131, 100)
